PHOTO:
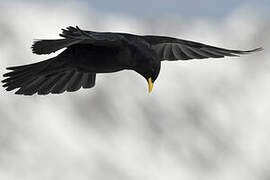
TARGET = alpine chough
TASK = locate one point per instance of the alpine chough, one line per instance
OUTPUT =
(88, 53)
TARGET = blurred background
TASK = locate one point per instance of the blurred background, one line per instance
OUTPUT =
(205, 119)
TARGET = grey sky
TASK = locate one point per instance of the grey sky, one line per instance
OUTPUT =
(155, 8)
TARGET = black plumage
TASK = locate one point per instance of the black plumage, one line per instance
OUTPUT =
(88, 53)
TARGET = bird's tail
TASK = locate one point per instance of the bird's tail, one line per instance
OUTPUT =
(49, 76)
(49, 46)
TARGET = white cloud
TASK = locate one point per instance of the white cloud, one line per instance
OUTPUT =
(205, 119)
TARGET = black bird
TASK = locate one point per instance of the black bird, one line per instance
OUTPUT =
(88, 53)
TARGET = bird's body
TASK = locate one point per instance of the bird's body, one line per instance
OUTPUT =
(92, 59)
(88, 53)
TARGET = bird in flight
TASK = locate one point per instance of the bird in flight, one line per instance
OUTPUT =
(88, 53)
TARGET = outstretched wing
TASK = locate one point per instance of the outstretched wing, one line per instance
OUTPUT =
(74, 35)
(177, 49)
(50, 76)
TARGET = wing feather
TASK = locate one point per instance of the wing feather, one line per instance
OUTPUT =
(47, 77)
(177, 49)
(178, 53)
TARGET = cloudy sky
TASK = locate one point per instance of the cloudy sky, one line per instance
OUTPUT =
(205, 119)
(192, 8)
(157, 8)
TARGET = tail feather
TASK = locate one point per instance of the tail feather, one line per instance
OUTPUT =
(50, 46)
(50, 76)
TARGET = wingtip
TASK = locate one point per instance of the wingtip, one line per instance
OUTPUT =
(12, 68)
(250, 51)
(258, 49)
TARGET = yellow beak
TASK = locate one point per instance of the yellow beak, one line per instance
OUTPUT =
(151, 84)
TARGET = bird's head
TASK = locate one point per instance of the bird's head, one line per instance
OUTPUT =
(149, 69)
(145, 61)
